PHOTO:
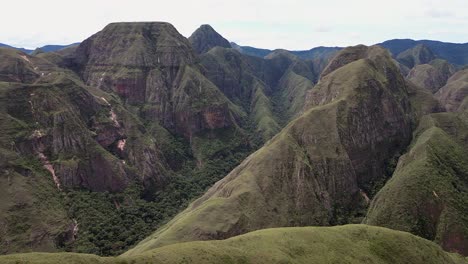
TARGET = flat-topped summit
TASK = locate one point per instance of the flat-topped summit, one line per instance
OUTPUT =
(136, 44)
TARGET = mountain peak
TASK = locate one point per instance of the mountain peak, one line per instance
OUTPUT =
(206, 38)
(419, 54)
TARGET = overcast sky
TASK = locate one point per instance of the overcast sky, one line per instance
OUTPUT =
(293, 24)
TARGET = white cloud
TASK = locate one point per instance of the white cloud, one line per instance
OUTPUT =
(294, 24)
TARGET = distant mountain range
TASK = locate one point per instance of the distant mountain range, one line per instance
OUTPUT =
(46, 48)
(452, 52)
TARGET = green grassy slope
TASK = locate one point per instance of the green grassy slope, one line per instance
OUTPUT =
(234, 75)
(117, 167)
(428, 192)
(313, 171)
(271, 90)
(340, 244)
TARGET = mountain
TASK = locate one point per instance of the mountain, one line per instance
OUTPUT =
(20, 49)
(318, 53)
(206, 38)
(419, 54)
(57, 135)
(252, 51)
(270, 90)
(427, 194)
(157, 71)
(157, 129)
(139, 130)
(50, 48)
(432, 75)
(46, 48)
(120, 133)
(452, 52)
(321, 168)
(453, 95)
(353, 243)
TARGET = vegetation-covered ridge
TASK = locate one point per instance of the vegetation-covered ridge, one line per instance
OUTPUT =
(319, 169)
(427, 194)
(80, 163)
(350, 244)
(103, 143)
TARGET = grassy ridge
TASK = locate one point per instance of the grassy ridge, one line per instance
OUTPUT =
(304, 175)
(340, 244)
(428, 192)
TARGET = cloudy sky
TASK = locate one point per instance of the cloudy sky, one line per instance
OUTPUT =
(290, 24)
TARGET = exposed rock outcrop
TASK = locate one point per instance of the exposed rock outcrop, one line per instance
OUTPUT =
(152, 65)
(431, 76)
(356, 118)
(453, 96)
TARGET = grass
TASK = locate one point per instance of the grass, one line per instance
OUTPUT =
(428, 192)
(304, 175)
(291, 95)
(341, 244)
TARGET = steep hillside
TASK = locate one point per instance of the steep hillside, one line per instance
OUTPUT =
(271, 90)
(318, 169)
(433, 75)
(419, 54)
(236, 77)
(453, 95)
(352, 243)
(151, 67)
(206, 38)
(16, 66)
(96, 150)
(427, 194)
(59, 135)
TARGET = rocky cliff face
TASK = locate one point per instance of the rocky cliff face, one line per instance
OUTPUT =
(271, 90)
(453, 95)
(151, 66)
(59, 135)
(206, 38)
(431, 76)
(317, 170)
